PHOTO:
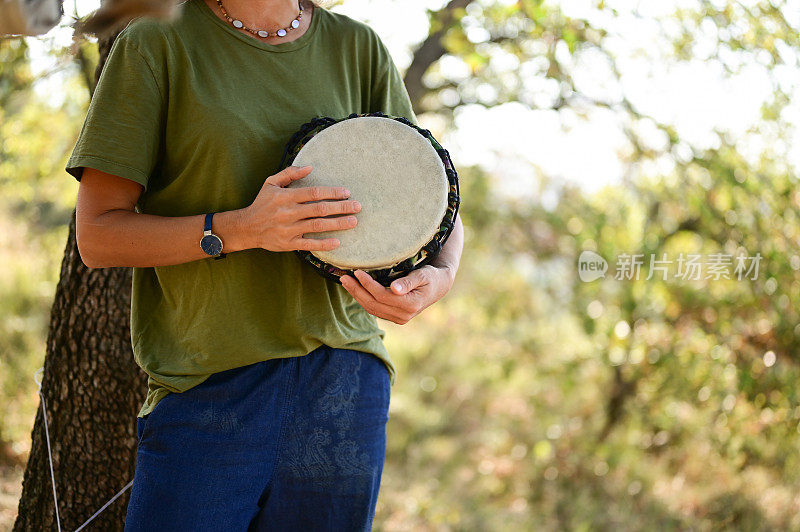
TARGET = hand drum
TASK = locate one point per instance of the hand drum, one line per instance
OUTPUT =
(404, 180)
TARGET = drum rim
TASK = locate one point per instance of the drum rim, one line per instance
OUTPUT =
(430, 250)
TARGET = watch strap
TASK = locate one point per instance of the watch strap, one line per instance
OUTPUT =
(207, 228)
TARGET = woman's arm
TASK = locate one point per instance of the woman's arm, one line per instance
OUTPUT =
(110, 233)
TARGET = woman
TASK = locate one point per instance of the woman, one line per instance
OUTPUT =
(268, 388)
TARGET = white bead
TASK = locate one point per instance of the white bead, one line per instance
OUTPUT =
(281, 33)
(295, 23)
(263, 33)
(238, 23)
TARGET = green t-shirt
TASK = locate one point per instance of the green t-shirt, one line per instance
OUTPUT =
(199, 114)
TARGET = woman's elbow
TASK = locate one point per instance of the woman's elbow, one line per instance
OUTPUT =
(93, 238)
(87, 247)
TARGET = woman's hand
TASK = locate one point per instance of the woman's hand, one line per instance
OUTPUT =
(279, 217)
(407, 297)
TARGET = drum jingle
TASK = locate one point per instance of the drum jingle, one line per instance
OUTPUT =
(403, 178)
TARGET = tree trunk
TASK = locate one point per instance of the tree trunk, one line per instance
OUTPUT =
(93, 390)
(428, 52)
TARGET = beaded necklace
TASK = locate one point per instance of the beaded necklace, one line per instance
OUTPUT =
(238, 24)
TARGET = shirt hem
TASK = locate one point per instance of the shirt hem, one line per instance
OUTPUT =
(157, 391)
(76, 163)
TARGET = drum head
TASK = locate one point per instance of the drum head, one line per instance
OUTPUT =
(396, 175)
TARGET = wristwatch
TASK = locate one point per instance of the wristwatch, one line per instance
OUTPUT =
(211, 244)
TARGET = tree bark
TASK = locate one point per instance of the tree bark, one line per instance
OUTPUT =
(93, 390)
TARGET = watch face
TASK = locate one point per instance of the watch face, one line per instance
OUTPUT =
(211, 244)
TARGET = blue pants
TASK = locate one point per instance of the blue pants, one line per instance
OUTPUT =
(286, 444)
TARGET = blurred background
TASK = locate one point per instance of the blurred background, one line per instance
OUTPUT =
(528, 397)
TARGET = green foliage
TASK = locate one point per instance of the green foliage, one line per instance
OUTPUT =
(527, 398)
(15, 76)
(36, 203)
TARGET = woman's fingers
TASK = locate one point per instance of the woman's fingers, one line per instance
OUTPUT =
(368, 301)
(288, 174)
(315, 244)
(285, 215)
(377, 290)
(327, 208)
(318, 193)
(318, 225)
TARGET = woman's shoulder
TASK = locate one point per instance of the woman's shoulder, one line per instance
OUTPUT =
(149, 33)
(146, 35)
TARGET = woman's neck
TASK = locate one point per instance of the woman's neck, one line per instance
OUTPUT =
(269, 15)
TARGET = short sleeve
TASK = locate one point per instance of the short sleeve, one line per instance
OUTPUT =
(390, 95)
(122, 131)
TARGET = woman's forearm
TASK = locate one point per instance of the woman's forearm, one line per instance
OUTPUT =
(450, 255)
(125, 238)
(120, 238)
